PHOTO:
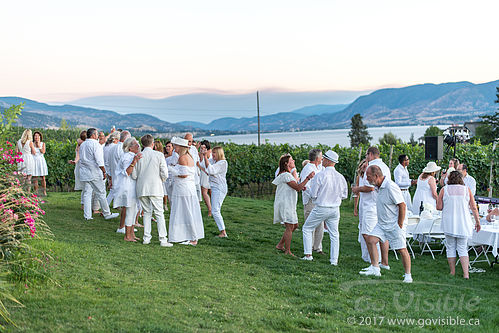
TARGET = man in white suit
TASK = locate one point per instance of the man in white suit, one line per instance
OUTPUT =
(150, 172)
(92, 175)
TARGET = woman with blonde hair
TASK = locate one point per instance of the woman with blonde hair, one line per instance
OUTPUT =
(126, 196)
(426, 190)
(27, 149)
(40, 169)
(216, 167)
(186, 222)
(360, 181)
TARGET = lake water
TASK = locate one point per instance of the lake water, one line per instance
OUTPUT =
(327, 137)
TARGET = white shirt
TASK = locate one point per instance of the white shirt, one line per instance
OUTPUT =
(115, 154)
(401, 177)
(369, 198)
(106, 151)
(307, 170)
(91, 158)
(389, 196)
(328, 188)
(195, 156)
(471, 183)
(217, 172)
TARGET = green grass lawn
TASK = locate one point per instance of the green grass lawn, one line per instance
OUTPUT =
(236, 284)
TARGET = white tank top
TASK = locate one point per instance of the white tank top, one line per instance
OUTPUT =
(456, 218)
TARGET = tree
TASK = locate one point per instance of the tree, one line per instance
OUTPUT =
(433, 131)
(412, 141)
(64, 124)
(8, 117)
(358, 134)
(389, 139)
(489, 130)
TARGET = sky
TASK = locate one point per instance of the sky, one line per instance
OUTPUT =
(60, 50)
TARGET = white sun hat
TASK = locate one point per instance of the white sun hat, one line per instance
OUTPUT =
(431, 167)
(179, 141)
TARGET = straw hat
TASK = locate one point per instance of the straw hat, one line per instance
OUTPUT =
(431, 167)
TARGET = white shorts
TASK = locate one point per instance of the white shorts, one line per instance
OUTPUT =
(395, 236)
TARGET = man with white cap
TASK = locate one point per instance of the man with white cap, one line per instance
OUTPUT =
(315, 165)
(402, 179)
(391, 210)
(328, 188)
(150, 173)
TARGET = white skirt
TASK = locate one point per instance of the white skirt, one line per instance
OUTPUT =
(204, 180)
(40, 168)
(26, 167)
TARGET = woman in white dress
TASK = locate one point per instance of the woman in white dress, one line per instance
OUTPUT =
(27, 149)
(286, 196)
(453, 164)
(426, 190)
(204, 178)
(167, 151)
(186, 223)
(455, 200)
(126, 196)
(40, 169)
(217, 173)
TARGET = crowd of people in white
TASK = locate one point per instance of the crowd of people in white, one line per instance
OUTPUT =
(381, 204)
(143, 181)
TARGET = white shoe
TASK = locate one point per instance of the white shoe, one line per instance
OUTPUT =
(366, 269)
(90, 218)
(111, 216)
(407, 278)
(146, 242)
(387, 267)
(334, 263)
(310, 258)
(120, 231)
(371, 271)
(166, 244)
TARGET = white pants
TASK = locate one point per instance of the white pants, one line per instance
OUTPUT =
(95, 202)
(454, 244)
(153, 205)
(330, 216)
(318, 233)
(217, 198)
(112, 193)
(407, 198)
(97, 188)
(131, 213)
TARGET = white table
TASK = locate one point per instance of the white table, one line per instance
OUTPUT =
(488, 235)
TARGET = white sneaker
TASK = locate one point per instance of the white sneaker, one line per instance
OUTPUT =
(146, 242)
(89, 219)
(166, 244)
(387, 267)
(407, 278)
(120, 231)
(371, 271)
(334, 263)
(111, 216)
(366, 269)
(307, 258)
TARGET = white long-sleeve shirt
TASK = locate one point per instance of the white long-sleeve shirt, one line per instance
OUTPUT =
(328, 188)
(471, 183)
(217, 172)
(307, 170)
(401, 177)
(91, 159)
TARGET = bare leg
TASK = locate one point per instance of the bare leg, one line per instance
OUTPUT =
(280, 245)
(465, 264)
(35, 182)
(373, 251)
(385, 247)
(122, 217)
(44, 186)
(452, 265)
(406, 260)
(288, 234)
(129, 234)
(207, 199)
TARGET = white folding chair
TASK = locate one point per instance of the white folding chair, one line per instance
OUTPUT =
(438, 234)
(423, 233)
(412, 223)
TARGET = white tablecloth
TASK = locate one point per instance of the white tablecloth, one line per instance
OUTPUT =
(488, 235)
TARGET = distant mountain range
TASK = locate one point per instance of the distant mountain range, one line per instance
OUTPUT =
(425, 104)
(206, 107)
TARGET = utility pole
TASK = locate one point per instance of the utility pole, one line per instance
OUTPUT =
(258, 114)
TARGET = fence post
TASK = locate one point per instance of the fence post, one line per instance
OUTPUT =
(391, 155)
(491, 176)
